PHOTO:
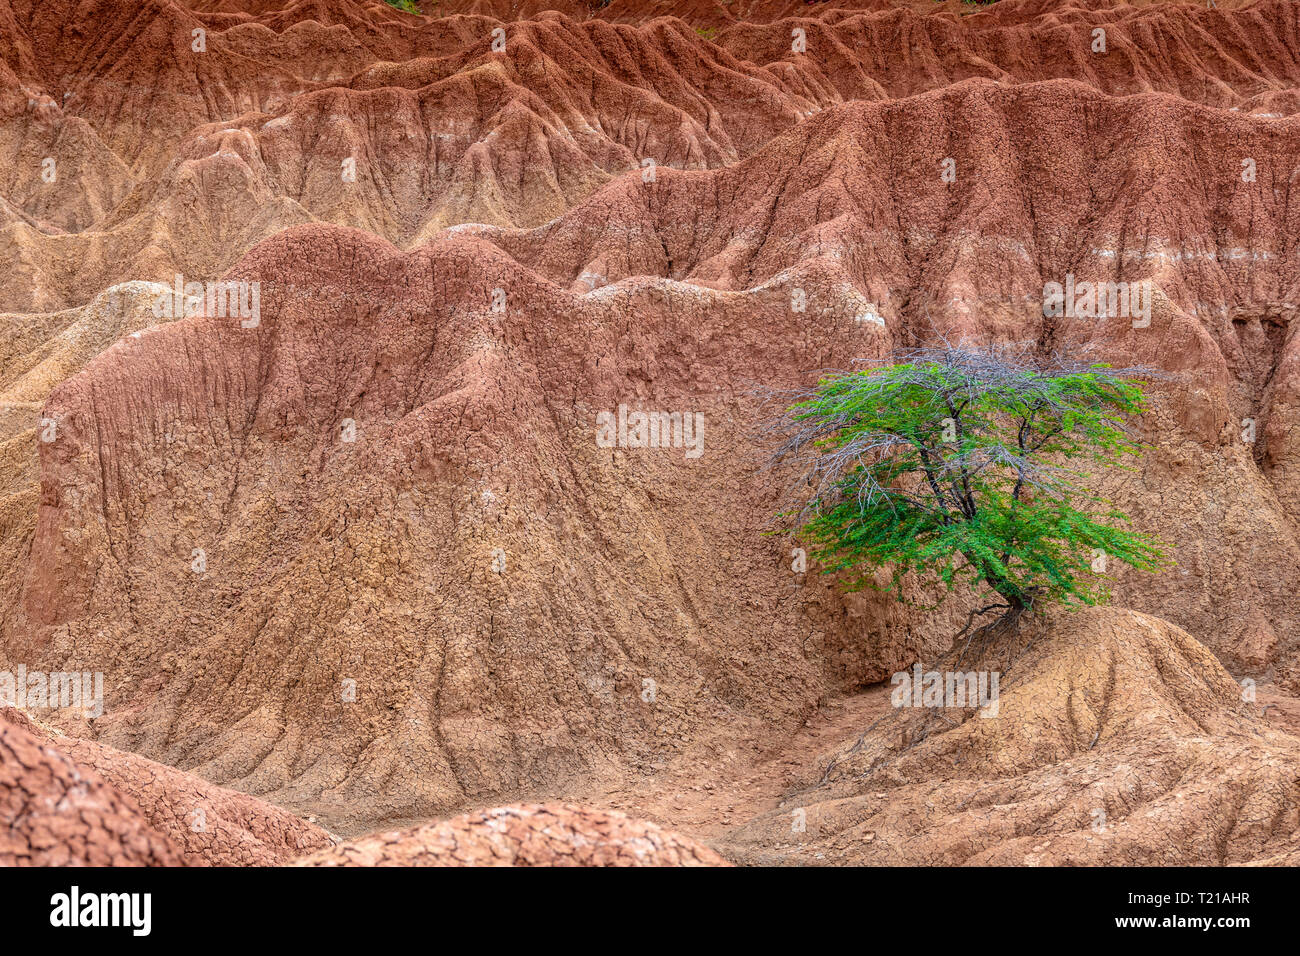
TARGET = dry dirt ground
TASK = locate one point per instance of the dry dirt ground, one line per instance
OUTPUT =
(709, 802)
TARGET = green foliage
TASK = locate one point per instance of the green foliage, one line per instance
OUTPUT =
(957, 462)
(708, 33)
(406, 6)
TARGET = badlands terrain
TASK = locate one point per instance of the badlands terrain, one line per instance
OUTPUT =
(364, 587)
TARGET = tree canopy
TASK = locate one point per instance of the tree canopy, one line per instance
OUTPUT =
(968, 463)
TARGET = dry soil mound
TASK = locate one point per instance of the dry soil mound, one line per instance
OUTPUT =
(483, 597)
(54, 812)
(73, 789)
(1117, 739)
(524, 835)
(207, 823)
(37, 352)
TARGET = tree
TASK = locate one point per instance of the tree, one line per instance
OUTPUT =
(958, 461)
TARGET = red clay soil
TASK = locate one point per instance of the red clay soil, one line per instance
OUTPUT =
(452, 404)
(75, 801)
(524, 835)
(364, 558)
(444, 130)
(209, 824)
(55, 813)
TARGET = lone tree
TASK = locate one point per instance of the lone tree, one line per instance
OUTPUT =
(958, 461)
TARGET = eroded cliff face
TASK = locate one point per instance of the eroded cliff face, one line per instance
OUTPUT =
(389, 489)
(367, 552)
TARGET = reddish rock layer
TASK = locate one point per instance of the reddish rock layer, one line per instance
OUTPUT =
(56, 813)
(175, 159)
(68, 801)
(514, 603)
